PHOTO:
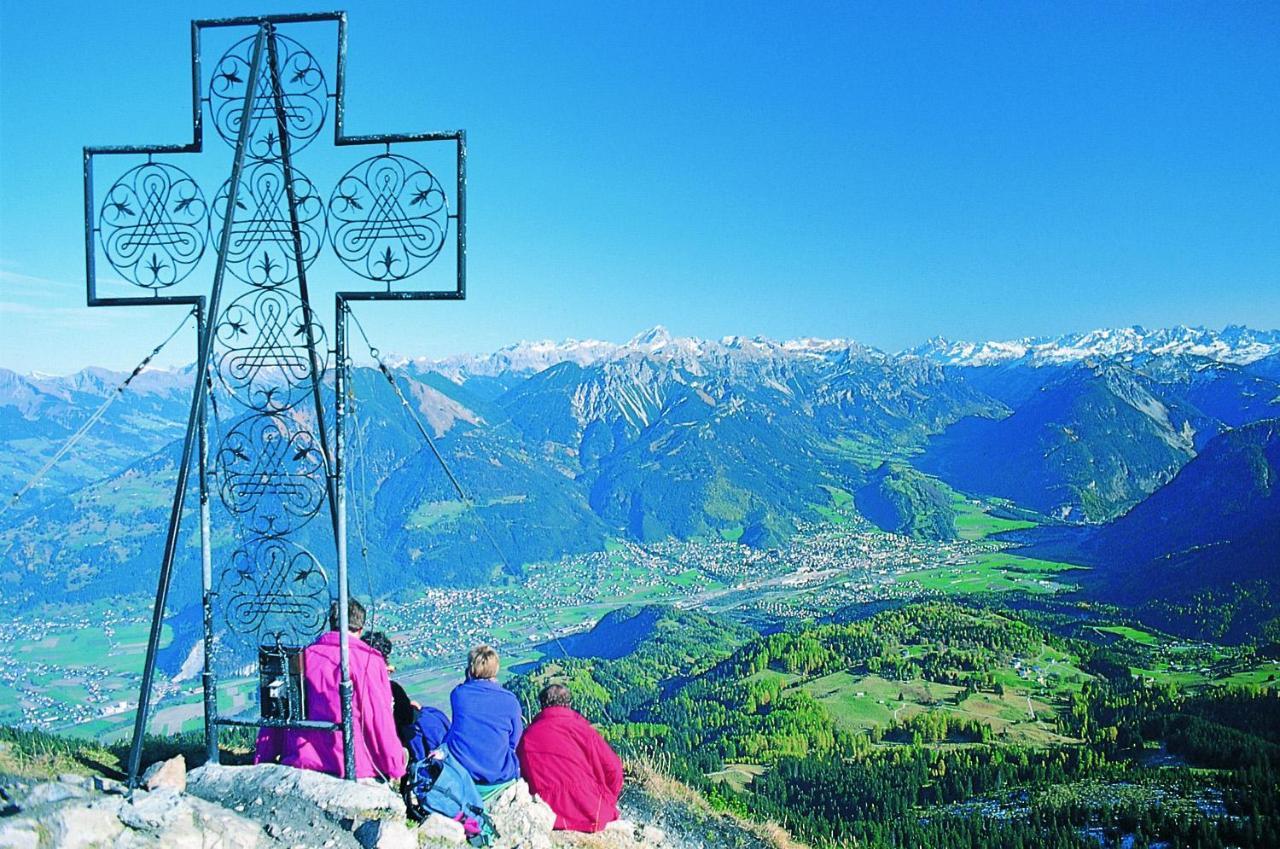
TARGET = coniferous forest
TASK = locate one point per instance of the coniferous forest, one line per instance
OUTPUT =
(776, 727)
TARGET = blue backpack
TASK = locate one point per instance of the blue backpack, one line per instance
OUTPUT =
(436, 783)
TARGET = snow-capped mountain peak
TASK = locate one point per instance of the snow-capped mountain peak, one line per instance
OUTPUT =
(1233, 344)
(654, 338)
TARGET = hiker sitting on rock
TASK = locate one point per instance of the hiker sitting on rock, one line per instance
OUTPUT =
(486, 723)
(569, 765)
(411, 718)
(379, 753)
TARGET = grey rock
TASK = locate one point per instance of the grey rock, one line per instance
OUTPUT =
(154, 811)
(170, 773)
(216, 826)
(521, 819)
(19, 833)
(81, 824)
(439, 830)
(339, 800)
(652, 835)
(50, 792)
(386, 834)
(107, 785)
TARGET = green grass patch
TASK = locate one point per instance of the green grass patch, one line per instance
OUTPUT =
(861, 703)
(91, 647)
(974, 521)
(1137, 635)
(1183, 679)
(839, 497)
(994, 571)
(429, 514)
(1266, 675)
(831, 514)
(737, 776)
(785, 678)
(687, 578)
(856, 703)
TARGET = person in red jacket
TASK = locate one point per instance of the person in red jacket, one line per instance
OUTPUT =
(569, 765)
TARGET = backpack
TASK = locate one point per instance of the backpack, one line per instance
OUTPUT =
(436, 783)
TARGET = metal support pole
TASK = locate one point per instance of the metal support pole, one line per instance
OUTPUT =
(340, 486)
(193, 419)
(295, 228)
(461, 220)
(332, 466)
(207, 679)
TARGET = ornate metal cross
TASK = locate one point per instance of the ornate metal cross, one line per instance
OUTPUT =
(262, 348)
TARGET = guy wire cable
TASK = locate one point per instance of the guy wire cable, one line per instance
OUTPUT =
(361, 485)
(462, 495)
(92, 420)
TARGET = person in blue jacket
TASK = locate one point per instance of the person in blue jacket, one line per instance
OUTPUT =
(486, 722)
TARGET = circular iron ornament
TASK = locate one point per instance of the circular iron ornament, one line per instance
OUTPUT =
(304, 93)
(388, 218)
(261, 353)
(261, 251)
(273, 588)
(271, 473)
(154, 225)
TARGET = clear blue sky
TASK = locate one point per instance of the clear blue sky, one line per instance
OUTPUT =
(881, 171)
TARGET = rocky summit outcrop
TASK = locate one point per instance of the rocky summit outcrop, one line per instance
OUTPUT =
(75, 812)
(268, 806)
(302, 808)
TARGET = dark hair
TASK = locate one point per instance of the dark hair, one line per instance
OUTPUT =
(379, 641)
(555, 695)
(355, 616)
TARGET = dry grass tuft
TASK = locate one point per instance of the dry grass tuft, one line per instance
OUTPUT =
(776, 835)
(661, 786)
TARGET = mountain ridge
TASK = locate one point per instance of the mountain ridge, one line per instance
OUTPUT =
(1235, 344)
(662, 437)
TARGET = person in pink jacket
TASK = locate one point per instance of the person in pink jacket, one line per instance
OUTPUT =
(379, 753)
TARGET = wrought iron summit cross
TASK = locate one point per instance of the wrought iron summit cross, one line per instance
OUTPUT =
(385, 220)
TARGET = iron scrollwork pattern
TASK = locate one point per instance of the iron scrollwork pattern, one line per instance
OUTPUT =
(261, 250)
(154, 225)
(261, 352)
(274, 590)
(271, 471)
(389, 217)
(271, 474)
(304, 93)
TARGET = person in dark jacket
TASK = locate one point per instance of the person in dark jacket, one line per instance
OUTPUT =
(411, 718)
(569, 765)
(486, 722)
